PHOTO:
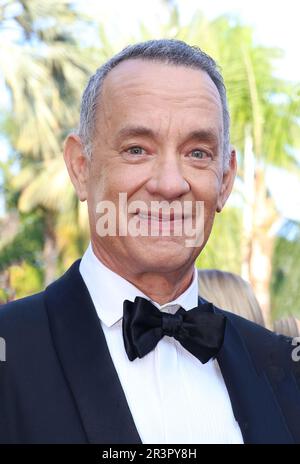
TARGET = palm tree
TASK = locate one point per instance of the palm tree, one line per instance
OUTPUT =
(44, 69)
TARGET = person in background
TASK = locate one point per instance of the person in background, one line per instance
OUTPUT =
(229, 291)
(289, 326)
(232, 293)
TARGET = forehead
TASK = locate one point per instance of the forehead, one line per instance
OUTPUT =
(148, 88)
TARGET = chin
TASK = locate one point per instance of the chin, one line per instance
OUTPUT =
(164, 258)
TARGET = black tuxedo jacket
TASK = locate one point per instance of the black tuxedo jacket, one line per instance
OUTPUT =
(59, 385)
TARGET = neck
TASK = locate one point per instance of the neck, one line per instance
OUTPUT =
(161, 287)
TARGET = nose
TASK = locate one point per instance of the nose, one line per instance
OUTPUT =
(167, 180)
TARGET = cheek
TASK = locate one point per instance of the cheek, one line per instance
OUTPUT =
(96, 189)
(206, 189)
(108, 186)
(101, 182)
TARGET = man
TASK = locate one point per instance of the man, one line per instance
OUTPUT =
(120, 349)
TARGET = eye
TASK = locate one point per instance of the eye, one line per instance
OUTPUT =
(199, 154)
(136, 150)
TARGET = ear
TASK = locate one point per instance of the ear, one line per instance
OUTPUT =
(227, 181)
(77, 165)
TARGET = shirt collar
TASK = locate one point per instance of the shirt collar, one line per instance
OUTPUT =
(108, 290)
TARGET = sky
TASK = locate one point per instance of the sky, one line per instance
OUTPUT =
(275, 23)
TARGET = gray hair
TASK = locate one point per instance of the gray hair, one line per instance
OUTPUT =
(168, 51)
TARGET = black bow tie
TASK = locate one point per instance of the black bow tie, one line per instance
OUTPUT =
(199, 330)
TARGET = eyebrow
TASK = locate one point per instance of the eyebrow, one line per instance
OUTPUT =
(135, 131)
(207, 135)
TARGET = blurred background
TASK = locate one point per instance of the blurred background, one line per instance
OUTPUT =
(47, 51)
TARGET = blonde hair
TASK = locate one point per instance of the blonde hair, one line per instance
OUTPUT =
(230, 292)
(287, 326)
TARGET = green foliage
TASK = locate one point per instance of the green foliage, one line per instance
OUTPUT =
(27, 244)
(44, 69)
(222, 250)
(286, 273)
(25, 279)
(3, 296)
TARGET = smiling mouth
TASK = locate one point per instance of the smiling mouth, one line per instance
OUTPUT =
(159, 217)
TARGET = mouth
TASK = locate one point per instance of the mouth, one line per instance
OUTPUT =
(160, 216)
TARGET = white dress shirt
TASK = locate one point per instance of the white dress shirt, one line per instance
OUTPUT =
(172, 396)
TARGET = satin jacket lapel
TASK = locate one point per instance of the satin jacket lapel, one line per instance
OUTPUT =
(254, 403)
(86, 362)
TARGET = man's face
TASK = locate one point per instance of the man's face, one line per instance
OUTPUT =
(159, 136)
